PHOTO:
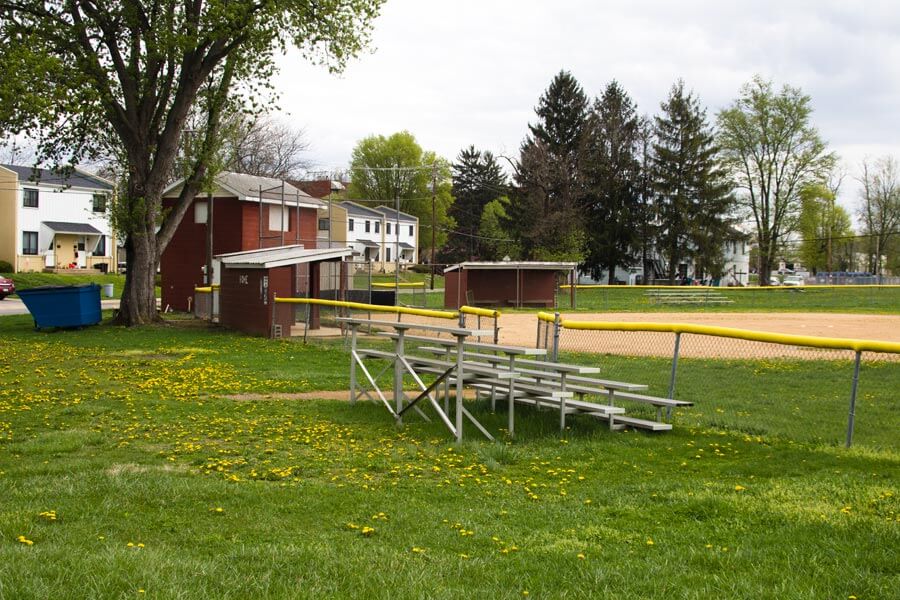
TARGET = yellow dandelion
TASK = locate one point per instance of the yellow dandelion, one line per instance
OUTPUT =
(739, 488)
(649, 542)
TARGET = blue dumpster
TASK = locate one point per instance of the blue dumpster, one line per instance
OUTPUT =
(63, 305)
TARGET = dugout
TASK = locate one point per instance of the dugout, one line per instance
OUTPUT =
(506, 283)
(250, 280)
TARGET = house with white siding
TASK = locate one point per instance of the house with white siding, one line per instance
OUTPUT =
(401, 236)
(56, 221)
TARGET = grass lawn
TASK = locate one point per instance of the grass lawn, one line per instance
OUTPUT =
(25, 281)
(885, 300)
(127, 472)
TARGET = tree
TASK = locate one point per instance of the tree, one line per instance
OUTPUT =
(120, 79)
(543, 215)
(385, 169)
(612, 171)
(477, 180)
(825, 227)
(693, 200)
(879, 208)
(264, 146)
(493, 237)
(771, 151)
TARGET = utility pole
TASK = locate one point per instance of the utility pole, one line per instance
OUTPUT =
(433, 223)
(397, 249)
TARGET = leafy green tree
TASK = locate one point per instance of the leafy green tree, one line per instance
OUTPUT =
(493, 237)
(477, 180)
(612, 178)
(385, 169)
(543, 215)
(693, 199)
(771, 151)
(120, 79)
(825, 227)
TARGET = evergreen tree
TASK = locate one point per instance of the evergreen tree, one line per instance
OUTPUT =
(693, 201)
(477, 180)
(543, 214)
(612, 171)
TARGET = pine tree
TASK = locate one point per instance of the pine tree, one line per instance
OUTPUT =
(612, 170)
(543, 214)
(477, 180)
(693, 200)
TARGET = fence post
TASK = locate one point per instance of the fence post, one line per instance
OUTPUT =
(462, 319)
(556, 322)
(674, 370)
(537, 343)
(496, 329)
(274, 307)
(306, 323)
(852, 415)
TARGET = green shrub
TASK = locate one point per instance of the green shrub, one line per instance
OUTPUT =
(5, 267)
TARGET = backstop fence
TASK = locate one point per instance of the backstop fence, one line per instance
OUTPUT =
(812, 386)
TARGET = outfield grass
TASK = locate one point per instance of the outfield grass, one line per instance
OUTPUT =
(876, 300)
(132, 474)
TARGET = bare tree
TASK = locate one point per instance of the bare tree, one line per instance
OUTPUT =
(879, 208)
(266, 146)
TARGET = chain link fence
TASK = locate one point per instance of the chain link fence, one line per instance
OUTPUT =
(811, 393)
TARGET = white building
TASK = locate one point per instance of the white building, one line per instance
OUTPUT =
(52, 221)
(401, 236)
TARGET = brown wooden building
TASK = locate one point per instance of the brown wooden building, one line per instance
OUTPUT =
(244, 212)
(518, 284)
(251, 280)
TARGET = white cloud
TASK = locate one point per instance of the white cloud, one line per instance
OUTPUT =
(460, 72)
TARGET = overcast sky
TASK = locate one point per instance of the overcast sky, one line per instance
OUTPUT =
(461, 72)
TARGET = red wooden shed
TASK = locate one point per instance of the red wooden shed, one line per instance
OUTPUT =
(251, 280)
(503, 283)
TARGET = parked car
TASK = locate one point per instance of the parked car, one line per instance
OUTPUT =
(795, 280)
(774, 280)
(7, 287)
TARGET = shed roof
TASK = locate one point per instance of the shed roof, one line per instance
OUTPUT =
(523, 265)
(367, 243)
(76, 228)
(268, 258)
(253, 188)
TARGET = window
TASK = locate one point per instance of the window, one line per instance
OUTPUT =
(389, 229)
(388, 255)
(368, 226)
(201, 212)
(377, 227)
(30, 198)
(100, 250)
(350, 225)
(29, 242)
(279, 218)
(410, 230)
(323, 225)
(99, 203)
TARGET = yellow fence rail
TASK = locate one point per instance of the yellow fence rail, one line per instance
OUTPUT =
(697, 288)
(422, 312)
(391, 285)
(731, 332)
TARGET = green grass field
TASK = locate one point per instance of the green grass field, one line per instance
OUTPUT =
(128, 469)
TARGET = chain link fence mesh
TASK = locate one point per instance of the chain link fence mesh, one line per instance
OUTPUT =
(758, 388)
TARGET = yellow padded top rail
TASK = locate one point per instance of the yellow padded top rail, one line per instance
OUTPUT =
(438, 314)
(414, 284)
(481, 312)
(698, 288)
(731, 332)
